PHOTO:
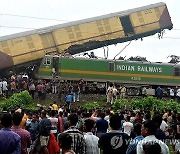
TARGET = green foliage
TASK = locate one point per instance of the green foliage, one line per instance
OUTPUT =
(23, 99)
(120, 104)
(103, 99)
(147, 103)
(92, 105)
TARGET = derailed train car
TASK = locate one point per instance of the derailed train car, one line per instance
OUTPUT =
(117, 71)
(83, 35)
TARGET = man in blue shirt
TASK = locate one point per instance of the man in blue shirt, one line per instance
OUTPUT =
(44, 129)
(101, 125)
(132, 146)
(114, 142)
(69, 99)
(10, 142)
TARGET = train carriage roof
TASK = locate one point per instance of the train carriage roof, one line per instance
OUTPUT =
(54, 27)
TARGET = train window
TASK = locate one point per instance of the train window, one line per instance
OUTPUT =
(176, 71)
(47, 61)
(111, 66)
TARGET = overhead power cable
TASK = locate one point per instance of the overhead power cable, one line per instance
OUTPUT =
(5, 14)
(166, 37)
(16, 27)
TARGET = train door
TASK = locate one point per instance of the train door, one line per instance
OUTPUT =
(127, 25)
(176, 71)
(55, 66)
(111, 66)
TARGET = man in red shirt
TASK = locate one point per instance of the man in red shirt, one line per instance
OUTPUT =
(24, 134)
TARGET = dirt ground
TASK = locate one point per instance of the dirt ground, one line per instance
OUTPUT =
(84, 98)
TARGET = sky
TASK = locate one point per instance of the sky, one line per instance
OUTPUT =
(23, 15)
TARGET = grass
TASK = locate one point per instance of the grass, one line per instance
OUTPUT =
(171, 149)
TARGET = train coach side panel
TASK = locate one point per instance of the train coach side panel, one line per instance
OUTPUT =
(145, 20)
(152, 19)
(25, 49)
(95, 31)
(22, 49)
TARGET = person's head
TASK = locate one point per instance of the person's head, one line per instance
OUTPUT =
(98, 112)
(17, 118)
(158, 120)
(6, 120)
(65, 114)
(89, 125)
(53, 113)
(137, 129)
(115, 122)
(152, 148)
(138, 114)
(73, 119)
(65, 141)
(34, 117)
(147, 116)
(60, 113)
(128, 118)
(169, 112)
(107, 112)
(111, 84)
(43, 114)
(102, 115)
(148, 128)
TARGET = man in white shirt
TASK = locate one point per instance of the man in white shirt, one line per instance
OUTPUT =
(171, 93)
(54, 122)
(148, 131)
(178, 94)
(90, 139)
(164, 127)
(127, 126)
(5, 88)
(109, 94)
(1, 85)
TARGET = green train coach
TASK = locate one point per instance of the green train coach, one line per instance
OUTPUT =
(117, 71)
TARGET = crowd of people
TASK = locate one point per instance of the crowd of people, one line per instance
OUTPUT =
(59, 129)
(21, 82)
(66, 130)
(40, 88)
